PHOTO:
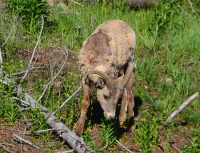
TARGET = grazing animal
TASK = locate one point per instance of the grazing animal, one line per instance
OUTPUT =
(107, 51)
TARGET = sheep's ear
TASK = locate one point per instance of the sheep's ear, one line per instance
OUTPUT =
(100, 83)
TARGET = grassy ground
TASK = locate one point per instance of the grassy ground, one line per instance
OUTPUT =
(167, 58)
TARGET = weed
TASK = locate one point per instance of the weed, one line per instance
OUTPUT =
(148, 132)
(194, 147)
(29, 12)
(39, 122)
(108, 131)
(87, 139)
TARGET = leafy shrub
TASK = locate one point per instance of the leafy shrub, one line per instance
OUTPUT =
(167, 15)
(29, 11)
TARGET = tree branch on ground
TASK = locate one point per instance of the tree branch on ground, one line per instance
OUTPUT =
(80, 87)
(1, 58)
(175, 147)
(76, 3)
(121, 145)
(191, 6)
(25, 141)
(31, 69)
(33, 54)
(41, 131)
(66, 151)
(105, 147)
(46, 87)
(182, 106)
(4, 148)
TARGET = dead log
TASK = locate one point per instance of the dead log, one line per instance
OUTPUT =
(73, 140)
(139, 3)
(129, 3)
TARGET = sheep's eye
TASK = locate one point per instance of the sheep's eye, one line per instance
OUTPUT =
(106, 97)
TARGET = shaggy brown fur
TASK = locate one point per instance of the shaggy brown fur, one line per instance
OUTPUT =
(109, 49)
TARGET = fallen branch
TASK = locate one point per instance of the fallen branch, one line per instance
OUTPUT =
(63, 131)
(121, 145)
(76, 3)
(191, 6)
(175, 147)
(182, 106)
(31, 69)
(4, 148)
(25, 141)
(22, 101)
(105, 147)
(69, 99)
(66, 151)
(33, 54)
(184, 11)
(41, 131)
(46, 87)
(1, 58)
(24, 109)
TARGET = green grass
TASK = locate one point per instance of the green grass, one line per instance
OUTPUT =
(167, 59)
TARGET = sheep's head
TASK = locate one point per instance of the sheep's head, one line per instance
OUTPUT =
(109, 91)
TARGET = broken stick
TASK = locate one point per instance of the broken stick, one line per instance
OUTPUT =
(182, 106)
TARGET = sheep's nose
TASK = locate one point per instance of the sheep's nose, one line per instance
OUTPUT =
(109, 115)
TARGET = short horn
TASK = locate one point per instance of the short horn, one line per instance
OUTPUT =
(110, 83)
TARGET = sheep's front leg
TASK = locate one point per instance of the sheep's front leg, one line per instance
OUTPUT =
(131, 104)
(128, 99)
(123, 108)
(85, 104)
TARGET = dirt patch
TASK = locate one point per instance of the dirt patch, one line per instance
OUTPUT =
(10, 143)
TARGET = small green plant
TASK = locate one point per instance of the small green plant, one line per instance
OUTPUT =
(195, 144)
(87, 139)
(148, 132)
(29, 11)
(8, 106)
(108, 131)
(166, 14)
(39, 122)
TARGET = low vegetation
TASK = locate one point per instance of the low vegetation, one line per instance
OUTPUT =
(167, 73)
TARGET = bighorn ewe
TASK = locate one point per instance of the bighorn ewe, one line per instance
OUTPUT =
(108, 50)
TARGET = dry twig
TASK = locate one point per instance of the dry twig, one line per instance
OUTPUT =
(105, 147)
(76, 3)
(4, 148)
(191, 6)
(66, 151)
(34, 68)
(182, 106)
(121, 145)
(1, 59)
(69, 98)
(41, 131)
(33, 54)
(46, 87)
(25, 141)
(178, 150)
